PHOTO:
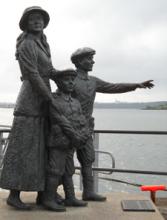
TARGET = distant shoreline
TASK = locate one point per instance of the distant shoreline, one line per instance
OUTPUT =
(7, 106)
(160, 105)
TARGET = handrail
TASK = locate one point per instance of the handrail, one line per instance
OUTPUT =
(6, 130)
(131, 132)
(99, 169)
(111, 157)
(5, 126)
(113, 169)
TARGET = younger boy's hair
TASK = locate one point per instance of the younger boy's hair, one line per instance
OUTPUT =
(62, 73)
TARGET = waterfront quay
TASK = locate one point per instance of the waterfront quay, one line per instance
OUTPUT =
(109, 210)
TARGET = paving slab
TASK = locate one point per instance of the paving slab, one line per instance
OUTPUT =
(109, 210)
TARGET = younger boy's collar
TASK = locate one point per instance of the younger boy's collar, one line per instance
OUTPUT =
(66, 97)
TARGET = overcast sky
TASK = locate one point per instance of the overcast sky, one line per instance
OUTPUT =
(129, 36)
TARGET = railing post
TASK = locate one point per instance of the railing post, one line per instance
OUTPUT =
(1, 144)
(80, 181)
(1, 149)
(96, 163)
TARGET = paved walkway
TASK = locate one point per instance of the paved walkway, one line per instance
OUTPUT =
(109, 210)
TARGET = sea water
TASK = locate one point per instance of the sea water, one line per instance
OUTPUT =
(140, 152)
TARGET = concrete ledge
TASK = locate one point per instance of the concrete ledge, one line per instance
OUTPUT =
(109, 210)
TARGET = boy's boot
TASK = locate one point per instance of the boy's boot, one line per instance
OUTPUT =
(48, 197)
(70, 199)
(88, 186)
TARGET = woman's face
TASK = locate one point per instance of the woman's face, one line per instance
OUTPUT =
(35, 22)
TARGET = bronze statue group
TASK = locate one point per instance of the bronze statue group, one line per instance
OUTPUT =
(48, 127)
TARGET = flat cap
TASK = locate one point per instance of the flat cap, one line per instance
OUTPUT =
(81, 52)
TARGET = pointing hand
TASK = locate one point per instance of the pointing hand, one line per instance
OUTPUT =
(146, 84)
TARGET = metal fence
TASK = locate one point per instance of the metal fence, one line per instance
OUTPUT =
(4, 135)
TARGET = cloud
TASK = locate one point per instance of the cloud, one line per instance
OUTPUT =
(129, 37)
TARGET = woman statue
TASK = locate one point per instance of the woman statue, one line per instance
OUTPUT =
(24, 162)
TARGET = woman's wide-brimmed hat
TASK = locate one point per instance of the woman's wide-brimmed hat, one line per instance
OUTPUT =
(28, 11)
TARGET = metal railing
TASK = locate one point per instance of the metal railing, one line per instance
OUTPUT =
(4, 140)
(98, 170)
(4, 134)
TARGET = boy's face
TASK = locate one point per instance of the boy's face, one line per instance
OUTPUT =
(66, 84)
(86, 62)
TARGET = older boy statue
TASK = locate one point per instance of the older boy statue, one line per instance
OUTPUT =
(85, 91)
(62, 142)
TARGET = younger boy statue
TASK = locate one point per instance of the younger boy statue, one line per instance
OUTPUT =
(62, 143)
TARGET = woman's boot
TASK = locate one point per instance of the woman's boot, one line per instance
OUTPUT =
(15, 201)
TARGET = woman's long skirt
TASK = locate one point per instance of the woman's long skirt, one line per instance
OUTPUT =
(24, 161)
